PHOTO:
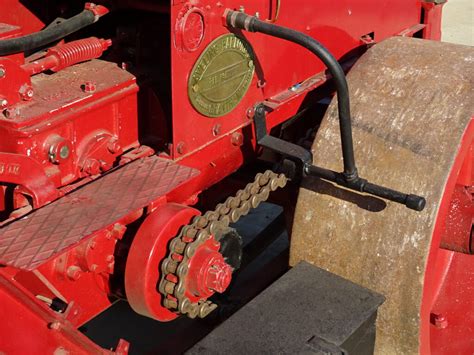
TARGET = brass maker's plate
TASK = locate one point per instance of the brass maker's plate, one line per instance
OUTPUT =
(221, 76)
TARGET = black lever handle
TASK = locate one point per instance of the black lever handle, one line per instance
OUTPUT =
(413, 202)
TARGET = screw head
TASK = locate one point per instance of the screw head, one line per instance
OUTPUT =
(181, 148)
(3, 71)
(216, 130)
(64, 152)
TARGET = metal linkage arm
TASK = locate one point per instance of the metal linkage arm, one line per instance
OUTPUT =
(349, 178)
(303, 156)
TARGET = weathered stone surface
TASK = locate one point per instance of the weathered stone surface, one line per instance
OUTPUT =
(412, 101)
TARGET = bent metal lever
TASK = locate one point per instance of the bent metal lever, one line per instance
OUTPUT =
(303, 156)
(349, 178)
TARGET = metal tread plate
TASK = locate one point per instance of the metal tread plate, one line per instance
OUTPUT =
(30, 241)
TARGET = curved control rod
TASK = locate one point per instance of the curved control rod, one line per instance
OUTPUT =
(349, 178)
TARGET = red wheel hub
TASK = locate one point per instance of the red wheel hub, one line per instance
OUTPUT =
(208, 271)
(149, 248)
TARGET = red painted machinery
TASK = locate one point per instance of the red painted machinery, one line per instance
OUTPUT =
(117, 117)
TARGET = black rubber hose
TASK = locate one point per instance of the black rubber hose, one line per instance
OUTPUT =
(242, 21)
(48, 35)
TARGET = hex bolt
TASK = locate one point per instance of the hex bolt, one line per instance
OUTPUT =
(440, 321)
(218, 277)
(250, 112)
(26, 92)
(237, 139)
(91, 167)
(89, 87)
(114, 146)
(74, 272)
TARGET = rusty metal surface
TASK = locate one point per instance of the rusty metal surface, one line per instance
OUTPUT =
(30, 241)
(411, 101)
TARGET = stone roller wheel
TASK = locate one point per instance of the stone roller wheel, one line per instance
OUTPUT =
(413, 106)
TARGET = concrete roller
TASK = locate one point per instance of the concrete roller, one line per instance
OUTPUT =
(413, 103)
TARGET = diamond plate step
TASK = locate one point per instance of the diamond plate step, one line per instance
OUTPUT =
(30, 241)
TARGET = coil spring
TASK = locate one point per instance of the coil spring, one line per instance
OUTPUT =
(78, 51)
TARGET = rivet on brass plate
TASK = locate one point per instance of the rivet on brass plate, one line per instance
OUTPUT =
(221, 76)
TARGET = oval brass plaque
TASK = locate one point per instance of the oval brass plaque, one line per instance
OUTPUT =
(221, 76)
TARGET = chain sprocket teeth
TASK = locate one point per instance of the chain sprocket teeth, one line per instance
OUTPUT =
(185, 245)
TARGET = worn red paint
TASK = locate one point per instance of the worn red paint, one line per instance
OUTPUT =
(81, 122)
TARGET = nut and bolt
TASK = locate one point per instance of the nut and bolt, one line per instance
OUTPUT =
(440, 321)
(74, 272)
(237, 139)
(251, 112)
(26, 92)
(114, 146)
(216, 130)
(89, 87)
(91, 167)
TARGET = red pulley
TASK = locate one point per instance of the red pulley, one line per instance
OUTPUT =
(149, 248)
(208, 270)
